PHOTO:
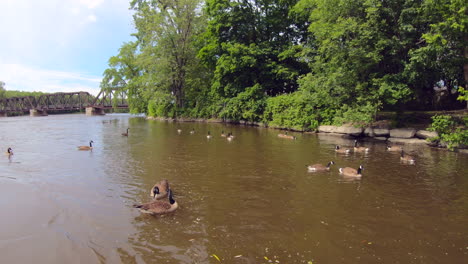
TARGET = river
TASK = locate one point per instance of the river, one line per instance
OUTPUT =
(250, 200)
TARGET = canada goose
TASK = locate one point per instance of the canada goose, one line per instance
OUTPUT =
(340, 150)
(192, 131)
(222, 134)
(406, 158)
(179, 130)
(90, 147)
(230, 137)
(159, 190)
(9, 152)
(125, 134)
(208, 136)
(286, 136)
(350, 172)
(359, 149)
(320, 167)
(158, 207)
(394, 148)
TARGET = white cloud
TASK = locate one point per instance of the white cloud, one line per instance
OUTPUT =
(26, 78)
(47, 45)
(91, 18)
(31, 25)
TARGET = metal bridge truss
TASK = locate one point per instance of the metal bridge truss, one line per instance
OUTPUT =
(64, 101)
(106, 99)
(17, 104)
(111, 98)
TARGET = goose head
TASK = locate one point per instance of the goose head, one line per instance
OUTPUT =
(155, 192)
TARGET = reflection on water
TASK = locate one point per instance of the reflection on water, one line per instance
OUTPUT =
(249, 200)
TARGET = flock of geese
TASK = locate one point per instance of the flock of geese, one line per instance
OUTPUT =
(357, 173)
(162, 196)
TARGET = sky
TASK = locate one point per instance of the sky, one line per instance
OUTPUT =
(60, 45)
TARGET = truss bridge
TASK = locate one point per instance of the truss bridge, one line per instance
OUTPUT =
(59, 102)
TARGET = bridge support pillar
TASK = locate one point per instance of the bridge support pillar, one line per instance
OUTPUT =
(94, 111)
(35, 112)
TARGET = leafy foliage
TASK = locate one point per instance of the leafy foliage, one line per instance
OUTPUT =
(292, 63)
(247, 105)
(450, 131)
(291, 111)
(2, 89)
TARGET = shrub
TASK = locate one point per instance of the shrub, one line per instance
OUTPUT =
(247, 105)
(291, 111)
(162, 105)
(450, 131)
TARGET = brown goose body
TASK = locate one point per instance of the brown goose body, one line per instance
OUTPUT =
(351, 172)
(158, 207)
(359, 149)
(407, 158)
(125, 134)
(342, 151)
(160, 190)
(90, 147)
(320, 167)
(286, 136)
(394, 148)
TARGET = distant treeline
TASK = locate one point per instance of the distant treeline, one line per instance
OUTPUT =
(9, 94)
(293, 63)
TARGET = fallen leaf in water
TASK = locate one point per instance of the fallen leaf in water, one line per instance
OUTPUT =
(238, 256)
(265, 258)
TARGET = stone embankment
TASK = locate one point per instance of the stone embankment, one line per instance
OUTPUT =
(397, 135)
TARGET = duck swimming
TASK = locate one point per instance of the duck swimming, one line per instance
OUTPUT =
(9, 151)
(351, 172)
(125, 134)
(286, 136)
(407, 158)
(320, 167)
(340, 150)
(90, 147)
(160, 190)
(157, 207)
(359, 149)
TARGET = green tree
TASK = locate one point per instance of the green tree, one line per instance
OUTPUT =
(166, 33)
(442, 53)
(2, 89)
(253, 48)
(370, 54)
(124, 74)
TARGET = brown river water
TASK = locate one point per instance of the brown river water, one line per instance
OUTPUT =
(250, 200)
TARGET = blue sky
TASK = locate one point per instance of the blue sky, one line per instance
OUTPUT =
(60, 45)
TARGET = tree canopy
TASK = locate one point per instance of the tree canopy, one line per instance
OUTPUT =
(293, 63)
